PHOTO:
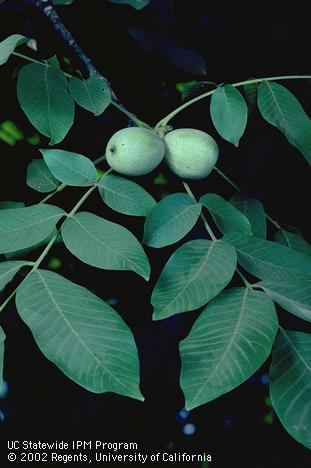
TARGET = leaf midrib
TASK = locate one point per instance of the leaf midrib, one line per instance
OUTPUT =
(26, 226)
(307, 276)
(76, 334)
(16, 267)
(227, 96)
(116, 253)
(46, 71)
(74, 170)
(227, 347)
(157, 232)
(287, 125)
(122, 195)
(192, 277)
(51, 181)
(228, 220)
(295, 349)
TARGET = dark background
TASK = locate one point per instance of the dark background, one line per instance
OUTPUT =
(237, 40)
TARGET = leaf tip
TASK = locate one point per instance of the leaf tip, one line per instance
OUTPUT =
(145, 273)
(189, 406)
(155, 316)
(146, 276)
(140, 397)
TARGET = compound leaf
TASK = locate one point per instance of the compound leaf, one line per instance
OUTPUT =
(254, 212)
(80, 333)
(290, 383)
(227, 217)
(171, 219)
(40, 178)
(43, 96)
(196, 272)
(269, 260)
(70, 168)
(125, 196)
(104, 244)
(24, 227)
(229, 341)
(280, 108)
(229, 113)
(92, 94)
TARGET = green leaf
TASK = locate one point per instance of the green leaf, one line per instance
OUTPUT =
(250, 92)
(62, 2)
(70, 168)
(254, 212)
(290, 383)
(269, 260)
(125, 196)
(229, 341)
(171, 219)
(8, 46)
(5, 205)
(192, 89)
(24, 227)
(137, 4)
(280, 108)
(293, 296)
(22, 253)
(80, 333)
(229, 113)
(53, 61)
(92, 94)
(43, 96)
(8, 270)
(2, 338)
(227, 217)
(40, 178)
(104, 244)
(293, 240)
(196, 272)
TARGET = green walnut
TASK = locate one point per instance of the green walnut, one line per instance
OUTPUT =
(190, 153)
(134, 151)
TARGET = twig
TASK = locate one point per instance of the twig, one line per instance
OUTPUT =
(206, 225)
(47, 8)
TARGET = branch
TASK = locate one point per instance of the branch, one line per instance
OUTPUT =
(47, 8)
